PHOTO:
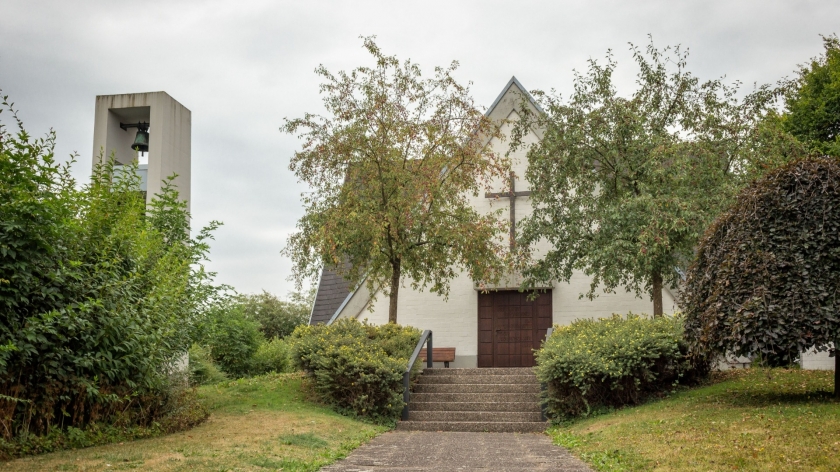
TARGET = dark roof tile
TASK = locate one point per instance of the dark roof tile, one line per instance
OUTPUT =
(333, 289)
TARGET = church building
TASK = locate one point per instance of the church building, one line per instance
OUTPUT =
(498, 326)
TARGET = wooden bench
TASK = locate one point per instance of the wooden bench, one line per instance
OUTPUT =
(440, 354)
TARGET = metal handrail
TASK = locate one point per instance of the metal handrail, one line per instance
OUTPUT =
(425, 338)
(544, 386)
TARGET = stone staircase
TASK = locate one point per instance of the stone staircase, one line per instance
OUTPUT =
(475, 400)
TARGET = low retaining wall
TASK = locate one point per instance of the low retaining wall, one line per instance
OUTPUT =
(812, 360)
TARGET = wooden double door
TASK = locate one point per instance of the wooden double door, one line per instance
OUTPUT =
(510, 327)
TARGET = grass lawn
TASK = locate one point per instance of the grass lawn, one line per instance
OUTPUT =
(755, 419)
(255, 424)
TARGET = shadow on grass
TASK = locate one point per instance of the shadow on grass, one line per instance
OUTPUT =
(749, 388)
(763, 399)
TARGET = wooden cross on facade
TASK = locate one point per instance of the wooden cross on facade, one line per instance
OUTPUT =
(512, 194)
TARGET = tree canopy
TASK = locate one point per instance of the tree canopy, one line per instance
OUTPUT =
(622, 187)
(391, 170)
(767, 273)
(812, 103)
(277, 317)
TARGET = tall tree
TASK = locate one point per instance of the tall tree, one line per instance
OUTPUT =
(622, 187)
(812, 104)
(392, 169)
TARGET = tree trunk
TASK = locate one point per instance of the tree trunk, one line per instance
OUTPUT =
(837, 369)
(657, 293)
(395, 290)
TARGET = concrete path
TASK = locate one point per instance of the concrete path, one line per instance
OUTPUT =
(416, 451)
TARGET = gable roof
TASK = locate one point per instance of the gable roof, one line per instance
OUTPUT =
(516, 86)
(333, 293)
(510, 100)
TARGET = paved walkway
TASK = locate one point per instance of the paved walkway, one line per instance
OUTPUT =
(418, 451)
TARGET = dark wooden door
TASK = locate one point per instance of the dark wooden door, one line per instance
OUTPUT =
(510, 327)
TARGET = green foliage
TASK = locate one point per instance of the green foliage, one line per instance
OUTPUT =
(181, 410)
(767, 271)
(99, 293)
(623, 187)
(232, 338)
(278, 318)
(356, 367)
(391, 170)
(271, 356)
(612, 362)
(203, 370)
(812, 104)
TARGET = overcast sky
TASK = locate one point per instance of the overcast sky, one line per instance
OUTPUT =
(242, 66)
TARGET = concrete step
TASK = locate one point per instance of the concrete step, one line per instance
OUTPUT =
(477, 388)
(478, 379)
(481, 371)
(475, 400)
(475, 397)
(474, 426)
(485, 416)
(414, 405)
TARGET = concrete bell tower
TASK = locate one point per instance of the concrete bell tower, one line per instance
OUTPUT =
(169, 128)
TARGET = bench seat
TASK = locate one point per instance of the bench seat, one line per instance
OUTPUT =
(440, 354)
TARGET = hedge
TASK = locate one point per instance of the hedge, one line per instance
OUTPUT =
(612, 362)
(100, 293)
(356, 367)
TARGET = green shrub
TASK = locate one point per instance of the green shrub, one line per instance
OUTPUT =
(99, 292)
(232, 338)
(271, 356)
(277, 318)
(612, 362)
(356, 367)
(203, 370)
(181, 409)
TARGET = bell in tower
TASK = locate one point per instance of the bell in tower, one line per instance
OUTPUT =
(141, 140)
(162, 130)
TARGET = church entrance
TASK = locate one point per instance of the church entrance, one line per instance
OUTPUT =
(510, 327)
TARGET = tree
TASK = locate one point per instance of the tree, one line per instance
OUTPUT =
(277, 318)
(622, 188)
(812, 103)
(392, 169)
(767, 273)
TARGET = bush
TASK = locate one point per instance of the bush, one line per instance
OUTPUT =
(356, 367)
(202, 369)
(232, 338)
(271, 356)
(765, 282)
(277, 318)
(181, 409)
(612, 362)
(99, 292)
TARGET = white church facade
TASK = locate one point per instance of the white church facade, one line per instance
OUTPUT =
(498, 327)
